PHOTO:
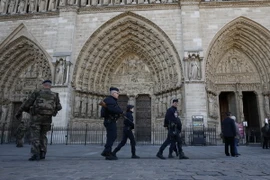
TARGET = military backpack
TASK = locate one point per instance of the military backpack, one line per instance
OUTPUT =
(45, 103)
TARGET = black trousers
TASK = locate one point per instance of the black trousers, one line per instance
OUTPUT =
(111, 131)
(265, 142)
(172, 139)
(127, 134)
(229, 141)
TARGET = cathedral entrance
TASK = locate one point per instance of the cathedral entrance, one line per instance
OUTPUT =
(251, 115)
(143, 118)
(236, 72)
(227, 103)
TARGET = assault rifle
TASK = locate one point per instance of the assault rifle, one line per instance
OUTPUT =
(103, 104)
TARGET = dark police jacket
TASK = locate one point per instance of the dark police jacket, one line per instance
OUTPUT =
(113, 110)
(228, 127)
(172, 121)
(129, 122)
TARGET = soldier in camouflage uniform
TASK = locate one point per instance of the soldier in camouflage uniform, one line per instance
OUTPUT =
(42, 105)
(20, 134)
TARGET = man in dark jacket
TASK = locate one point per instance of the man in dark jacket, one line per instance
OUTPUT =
(111, 114)
(174, 130)
(229, 133)
(127, 133)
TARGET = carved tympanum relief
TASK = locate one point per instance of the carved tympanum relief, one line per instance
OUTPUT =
(133, 76)
(236, 67)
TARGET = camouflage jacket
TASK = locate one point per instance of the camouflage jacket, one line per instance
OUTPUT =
(31, 104)
(20, 131)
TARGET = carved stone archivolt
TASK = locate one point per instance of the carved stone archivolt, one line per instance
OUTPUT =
(238, 60)
(23, 67)
(125, 36)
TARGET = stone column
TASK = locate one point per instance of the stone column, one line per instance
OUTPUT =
(90, 107)
(240, 109)
(95, 108)
(84, 105)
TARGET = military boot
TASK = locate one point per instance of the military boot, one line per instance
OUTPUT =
(182, 156)
(34, 158)
(134, 156)
(160, 156)
(111, 157)
(105, 154)
(42, 155)
(170, 155)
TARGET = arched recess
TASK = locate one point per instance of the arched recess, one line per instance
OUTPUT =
(23, 67)
(132, 53)
(238, 61)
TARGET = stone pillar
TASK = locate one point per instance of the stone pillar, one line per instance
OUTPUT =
(90, 107)
(95, 108)
(240, 109)
(159, 105)
(84, 105)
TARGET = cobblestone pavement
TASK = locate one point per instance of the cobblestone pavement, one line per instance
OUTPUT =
(79, 162)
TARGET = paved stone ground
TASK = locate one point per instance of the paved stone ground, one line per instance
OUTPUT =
(79, 162)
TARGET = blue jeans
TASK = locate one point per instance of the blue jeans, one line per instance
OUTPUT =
(235, 145)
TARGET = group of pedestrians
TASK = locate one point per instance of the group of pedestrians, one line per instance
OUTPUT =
(43, 104)
(231, 135)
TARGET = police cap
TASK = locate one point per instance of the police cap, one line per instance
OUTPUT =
(114, 89)
(175, 100)
(47, 81)
(129, 107)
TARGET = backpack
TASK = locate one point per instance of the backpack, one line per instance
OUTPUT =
(45, 103)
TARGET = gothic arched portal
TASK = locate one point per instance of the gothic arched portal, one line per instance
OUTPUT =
(23, 67)
(237, 71)
(132, 53)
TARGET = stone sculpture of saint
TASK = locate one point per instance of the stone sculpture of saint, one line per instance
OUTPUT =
(60, 73)
(194, 70)
(2, 6)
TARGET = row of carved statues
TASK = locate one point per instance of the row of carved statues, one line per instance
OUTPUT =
(32, 6)
(27, 6)
(86, 106)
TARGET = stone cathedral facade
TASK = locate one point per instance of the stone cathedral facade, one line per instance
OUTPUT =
(214, 56)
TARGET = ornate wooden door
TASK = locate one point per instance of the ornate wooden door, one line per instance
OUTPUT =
(143, 118)
(122, 102)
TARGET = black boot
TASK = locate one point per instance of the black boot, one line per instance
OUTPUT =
(134, 156)
(42, 155)
(105, 154)
(111, 157)
(182, 156)
(160, 156)
(34, 158)
(170, 155)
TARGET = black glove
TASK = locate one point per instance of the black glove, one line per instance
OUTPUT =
(18, 115)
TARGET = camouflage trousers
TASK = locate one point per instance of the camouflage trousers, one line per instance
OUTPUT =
(19, 142)
(39, 127)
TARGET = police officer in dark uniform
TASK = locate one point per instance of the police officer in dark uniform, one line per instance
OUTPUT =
(127, 133)
(111, 113)
(174, 130)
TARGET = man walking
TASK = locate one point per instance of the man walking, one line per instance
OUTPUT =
(229, 133)
(111, 112)
(174, 130)
(42, 105)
